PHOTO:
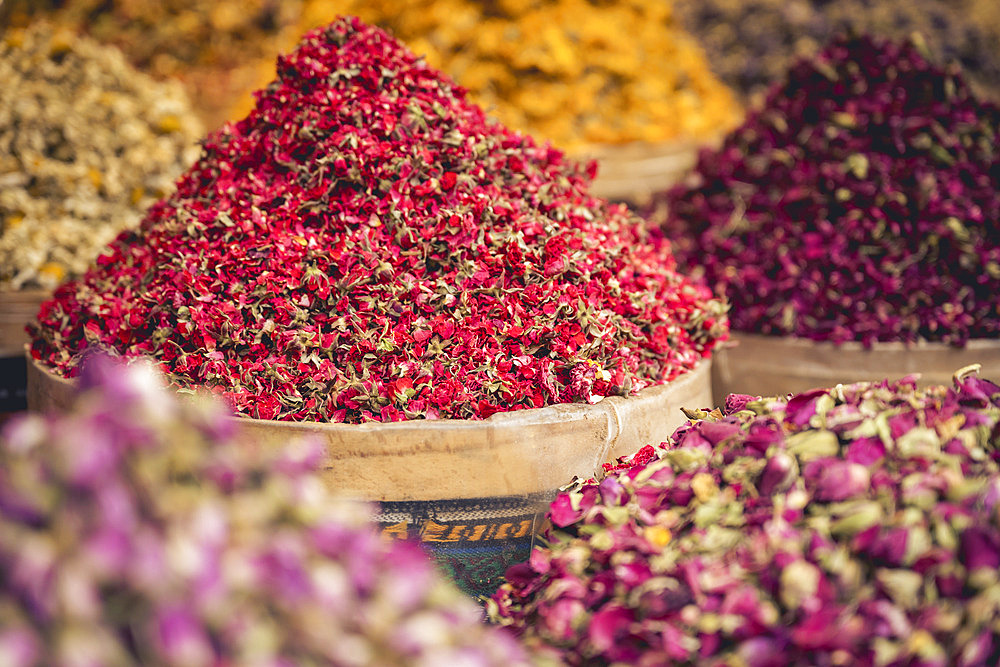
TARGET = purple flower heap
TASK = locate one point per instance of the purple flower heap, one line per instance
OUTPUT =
(860, 203)
(137, 530)
(853, 526)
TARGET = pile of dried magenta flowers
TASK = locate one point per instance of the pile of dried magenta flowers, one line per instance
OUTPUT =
(140, 529)
(853, 526)
(859, 204)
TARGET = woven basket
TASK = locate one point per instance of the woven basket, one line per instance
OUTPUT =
(473, 491)
(774, 365)
(17, 308)
(633, 172)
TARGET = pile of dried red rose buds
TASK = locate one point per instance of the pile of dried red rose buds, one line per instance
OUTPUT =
(853, 526)
(860, 203)
(139, 529)
(366, 245)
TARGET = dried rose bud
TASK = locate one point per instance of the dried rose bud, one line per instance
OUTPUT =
(834, 480)
(779, 474)
(884, 549)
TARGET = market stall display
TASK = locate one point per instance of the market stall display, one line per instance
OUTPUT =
(366, 246)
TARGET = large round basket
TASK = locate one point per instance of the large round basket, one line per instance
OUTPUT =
(774, 366)
(473, 492)
(633, 172)
(17, 308)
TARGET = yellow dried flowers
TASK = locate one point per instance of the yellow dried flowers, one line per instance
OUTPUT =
(213, 46)
(573, 71)
(576, 72)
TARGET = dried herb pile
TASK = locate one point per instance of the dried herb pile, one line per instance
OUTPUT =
(860, 203)
(139, 530)
(86, 144)
(753, 42)
(574, 72)
(853, 526)
(167, 37)
(215, 48)
(366, 245)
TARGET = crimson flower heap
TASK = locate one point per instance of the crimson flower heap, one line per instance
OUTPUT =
(366, 245)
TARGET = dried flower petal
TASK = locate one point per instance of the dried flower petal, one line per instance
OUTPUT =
(883, 553)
